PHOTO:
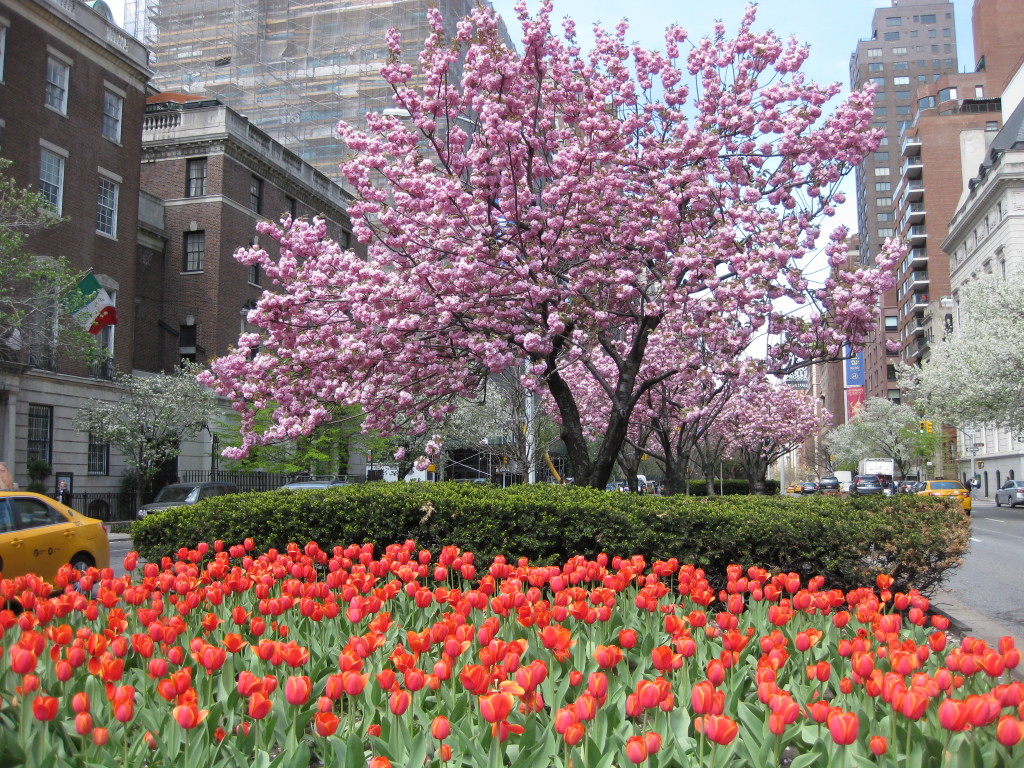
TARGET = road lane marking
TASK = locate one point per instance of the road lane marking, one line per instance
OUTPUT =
(974, 539)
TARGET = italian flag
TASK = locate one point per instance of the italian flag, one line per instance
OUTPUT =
(91, 306)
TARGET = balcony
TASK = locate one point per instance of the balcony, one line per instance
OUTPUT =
(917, 236)
(919, 278)
(912, 168)
(917, 327)
(913, 191)
(915, 213)
(918, 257)
(911, 146)
(919, 302)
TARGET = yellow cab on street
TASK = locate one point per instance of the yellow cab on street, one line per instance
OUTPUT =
(38, 535)
(946, 488)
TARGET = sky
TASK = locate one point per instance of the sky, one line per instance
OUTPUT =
(831, 28)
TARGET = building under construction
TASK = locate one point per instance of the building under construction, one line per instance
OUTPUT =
(293, 67)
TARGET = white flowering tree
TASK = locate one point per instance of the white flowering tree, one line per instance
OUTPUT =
(976, 374)
(882, 429)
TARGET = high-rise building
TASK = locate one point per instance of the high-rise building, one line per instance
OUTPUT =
(293, 67)
(912, 43)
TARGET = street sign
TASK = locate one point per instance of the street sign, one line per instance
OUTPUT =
(979, 445)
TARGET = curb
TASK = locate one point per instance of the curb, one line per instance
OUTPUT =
(964, 621)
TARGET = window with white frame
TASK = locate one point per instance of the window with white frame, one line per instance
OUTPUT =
(51, 178)
(57, 74)
(106, 207)
(113, 106)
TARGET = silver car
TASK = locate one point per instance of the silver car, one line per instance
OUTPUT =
(1011, 492)
(314, 481)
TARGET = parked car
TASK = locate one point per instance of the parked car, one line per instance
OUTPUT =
(314, 481)
(182, 494)
(1011, 492)
(864, 485)
(793, 488)
(946, 488)
(829, 486)
(38, 535)
(808, 487)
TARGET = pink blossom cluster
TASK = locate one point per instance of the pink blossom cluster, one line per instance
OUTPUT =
(595, 220)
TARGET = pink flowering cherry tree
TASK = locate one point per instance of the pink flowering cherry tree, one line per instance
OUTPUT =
(767, 420)
(556, 208)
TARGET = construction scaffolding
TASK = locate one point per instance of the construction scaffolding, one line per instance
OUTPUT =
(293, 67)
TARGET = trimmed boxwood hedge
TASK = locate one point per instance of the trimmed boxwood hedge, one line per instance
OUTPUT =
(916, 540)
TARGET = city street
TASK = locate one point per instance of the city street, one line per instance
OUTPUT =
(987, 594)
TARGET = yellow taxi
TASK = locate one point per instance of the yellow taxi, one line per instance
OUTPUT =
(38, 535)
(946, 488)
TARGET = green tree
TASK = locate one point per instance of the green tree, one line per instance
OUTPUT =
(34, 322)
(154, 414)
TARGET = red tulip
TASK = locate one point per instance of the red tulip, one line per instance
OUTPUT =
(440, 728)
(297, 689)
(720, 729)
(716, 672)
(399, 701)
(843, 726)
(573, 734)
(653, 741)
(495, 707)
(83, 723)
(878, 745)
(44, 708)
(1009, 730)
(259, 705)
(188, 716)
(627, 638)
(100, 736)
(23, 661)
(325, 723)
(636, 749)
(607, 656)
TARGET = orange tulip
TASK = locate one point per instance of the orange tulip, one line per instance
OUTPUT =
(878, 745)
(259, 705)
(44, 708)
(399, 701)
(440, 728)
(188, 716)
(653, 741)
(1009, 730)
(607, 656)
(380, 762)
(325, 723)
(720, 729)
(100, 736)
(495, 707)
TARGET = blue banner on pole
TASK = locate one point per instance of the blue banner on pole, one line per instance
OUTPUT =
(855, 370)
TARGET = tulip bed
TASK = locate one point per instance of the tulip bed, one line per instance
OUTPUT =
(222, 656)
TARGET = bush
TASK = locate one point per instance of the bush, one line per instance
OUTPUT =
(916, 540)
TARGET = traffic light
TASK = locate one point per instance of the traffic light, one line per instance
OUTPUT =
(921, 425)
(928, 427)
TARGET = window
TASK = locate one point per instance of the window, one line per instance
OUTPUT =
(893, 395)
(256, 194)
(33, 513)
(195, 251)
(890, 372)
(881, 157)
(890, 36)
(57, 85)
(992, 125)
(874, 53)
(927, 18)
(899, 51)
(112, 108)
(933, 33)
(884, 216)
(195, 172)
(892, 322)
(903, 109)
(902, 95)
(99, 456)
(900, 66)
(879, 81)
(947, 32)
(51, 178)
(187, 341)
(883, 186)
(292, 206)
(927, 102)
(902, 80)
(3, 49)
(254, 274)
(879, 111)
(40, 433)
(875, 67)
(893, 21)
(883, 202)
(106, 207)
(947, 94)
(882, 171)
(884, 233)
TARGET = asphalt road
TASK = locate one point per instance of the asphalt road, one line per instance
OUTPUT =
(986, 596)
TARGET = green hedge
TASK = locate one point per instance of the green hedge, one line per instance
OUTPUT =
(917, 540)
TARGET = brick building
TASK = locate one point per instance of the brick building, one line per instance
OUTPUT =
(217, 175)
(72, 91)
